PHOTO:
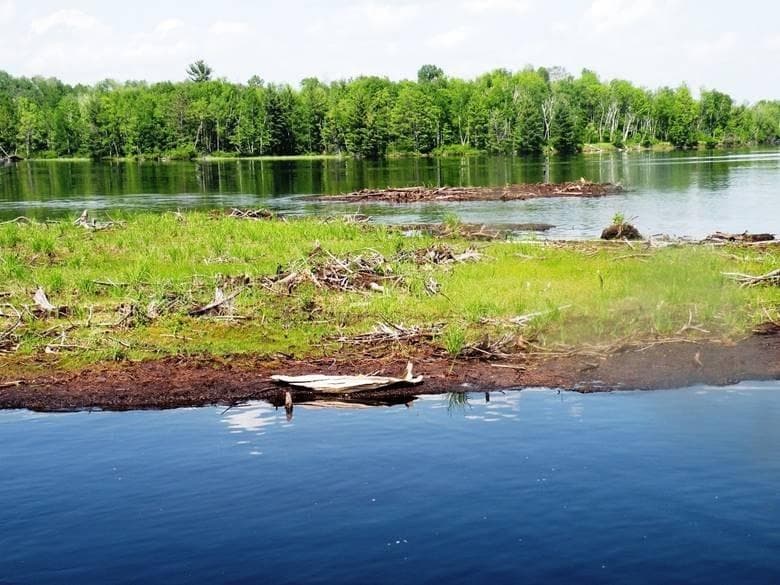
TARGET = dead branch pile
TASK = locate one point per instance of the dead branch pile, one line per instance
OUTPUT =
(440, 254)
(261, 214)
(745, 280)
(743, 237)
(367, 271)
(389, 333)
(581, 188)
(94, 225)
(500, 348)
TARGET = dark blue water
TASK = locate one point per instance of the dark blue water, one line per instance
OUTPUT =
(663, 487)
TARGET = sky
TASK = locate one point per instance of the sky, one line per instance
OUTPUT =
(730, 46)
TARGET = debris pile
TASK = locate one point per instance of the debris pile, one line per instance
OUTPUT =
(416, 194)
(744, 237)
(93, 224)
(746, 280)
(261, 214)
(389, 333)
(366, 271)
(439, 254)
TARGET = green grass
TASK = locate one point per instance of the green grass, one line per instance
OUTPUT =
(589, 293)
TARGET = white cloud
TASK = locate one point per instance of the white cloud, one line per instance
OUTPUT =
(66, 19)
(225, 27)
(168, 25)
(772, 43)
(7, 11)
(450, 39)
(492, 6)
(386, 15)
(607, 15)
(704, 50)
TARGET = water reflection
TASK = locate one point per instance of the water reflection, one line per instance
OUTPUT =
(679, 193)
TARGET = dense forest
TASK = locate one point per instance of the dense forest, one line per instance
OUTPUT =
(529, 111)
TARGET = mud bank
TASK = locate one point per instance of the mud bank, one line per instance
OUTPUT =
(170, 383)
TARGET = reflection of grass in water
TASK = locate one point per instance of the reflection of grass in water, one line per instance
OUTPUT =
(457, 401)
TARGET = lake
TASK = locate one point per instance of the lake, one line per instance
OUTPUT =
(679, 193)
(679, 486)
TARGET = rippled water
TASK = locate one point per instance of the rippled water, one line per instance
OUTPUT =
(676, 193)
(533, 486)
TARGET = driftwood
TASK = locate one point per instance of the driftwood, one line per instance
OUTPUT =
(347, 384)
(581, 188)
(439, 254)
(219, 302)
(746, 280)
(743, 237)
(85, 222)
(44, 307)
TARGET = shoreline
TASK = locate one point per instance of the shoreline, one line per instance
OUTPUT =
(203, 381)
(184, 309)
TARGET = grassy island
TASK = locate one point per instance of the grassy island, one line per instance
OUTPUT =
(140, 288)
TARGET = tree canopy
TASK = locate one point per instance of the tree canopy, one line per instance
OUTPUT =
(520, 112)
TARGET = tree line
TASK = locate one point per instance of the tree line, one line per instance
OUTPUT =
(502, 112)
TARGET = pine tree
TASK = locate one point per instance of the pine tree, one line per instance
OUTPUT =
(564, 133)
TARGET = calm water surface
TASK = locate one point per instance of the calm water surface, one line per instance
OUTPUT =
(676, 193)
(534, 486)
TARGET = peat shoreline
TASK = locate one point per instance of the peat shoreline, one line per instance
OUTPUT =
(188, 382)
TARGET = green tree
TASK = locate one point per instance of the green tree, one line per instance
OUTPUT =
(199, 71)
(564, 134)
(31, 126)
(414, 120)
(429, 74)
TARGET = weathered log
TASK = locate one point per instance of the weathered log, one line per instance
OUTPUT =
(347, 384)
(743, 237)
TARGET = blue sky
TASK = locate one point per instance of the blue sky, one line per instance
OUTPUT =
(730, 46)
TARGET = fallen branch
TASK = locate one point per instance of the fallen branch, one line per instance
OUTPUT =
(219, 300)
(746, 280)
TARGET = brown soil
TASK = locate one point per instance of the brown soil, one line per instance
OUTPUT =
(509, 193)
(172, 383)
